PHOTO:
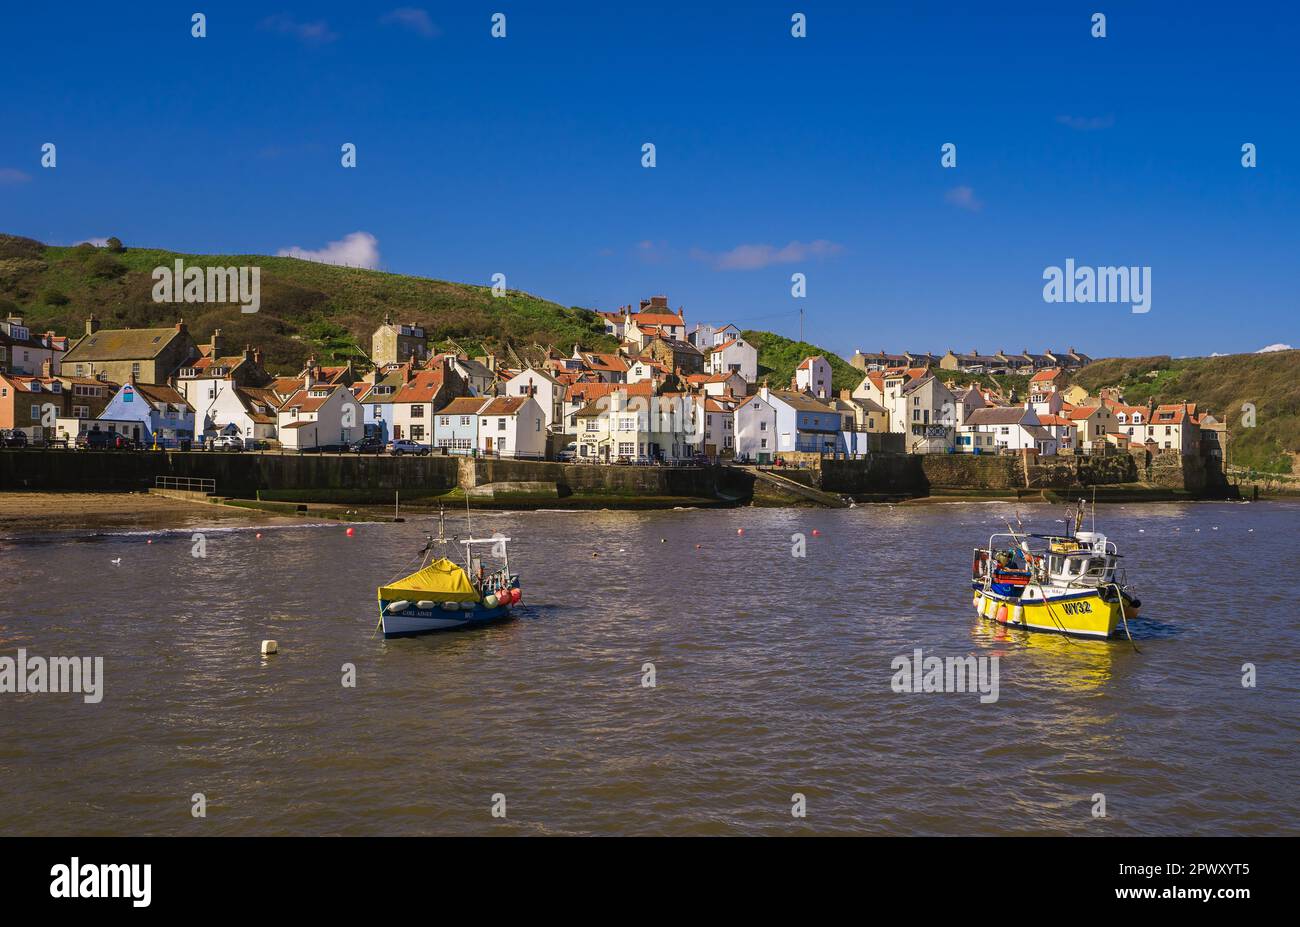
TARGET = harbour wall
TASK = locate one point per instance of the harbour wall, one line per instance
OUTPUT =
(375, 479)
(927, 474)
(343, 478)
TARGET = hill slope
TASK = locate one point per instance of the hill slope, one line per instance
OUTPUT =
(778, 357)
(1224, 386)
(306, 307)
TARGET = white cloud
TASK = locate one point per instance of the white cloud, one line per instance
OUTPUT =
(10, 175)
(1269, 349)
(313, 33)
(360, 249)
(964, 198)
(651, 252)
(756, 257)
(412, 18)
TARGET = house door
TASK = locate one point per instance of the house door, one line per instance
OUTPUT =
(487, 445)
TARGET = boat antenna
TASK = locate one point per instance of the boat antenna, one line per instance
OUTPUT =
(1094, 507)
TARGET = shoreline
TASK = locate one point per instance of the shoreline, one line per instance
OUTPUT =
(24, 512)
(54, 510)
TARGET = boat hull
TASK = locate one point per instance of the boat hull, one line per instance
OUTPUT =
(1080, 614)
(414, 621)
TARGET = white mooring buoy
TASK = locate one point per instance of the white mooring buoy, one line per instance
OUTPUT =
(269, 647)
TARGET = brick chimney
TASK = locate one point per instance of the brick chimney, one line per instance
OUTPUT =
(92, 325)
(218, 343)
(47, 368)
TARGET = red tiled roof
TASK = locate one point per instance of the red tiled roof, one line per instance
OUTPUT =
(463, 405)
(422, 387)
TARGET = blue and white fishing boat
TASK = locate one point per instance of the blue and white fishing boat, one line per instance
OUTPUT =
(442, 596)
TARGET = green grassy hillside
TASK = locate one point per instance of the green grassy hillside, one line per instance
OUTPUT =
(306, 307)
(1222, 385)
(778, 357)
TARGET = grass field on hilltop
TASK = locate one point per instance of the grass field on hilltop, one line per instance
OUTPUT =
(779, 356)
(1224, 386)
(306, 306)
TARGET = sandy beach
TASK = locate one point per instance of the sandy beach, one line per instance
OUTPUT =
(26, 512)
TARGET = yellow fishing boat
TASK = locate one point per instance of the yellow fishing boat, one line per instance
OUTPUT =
(1070, 584)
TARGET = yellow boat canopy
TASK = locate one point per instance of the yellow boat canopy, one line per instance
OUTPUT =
(442, 581)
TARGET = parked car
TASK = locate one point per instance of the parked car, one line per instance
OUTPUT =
(105, 441)
(403, 446)
(370, 444)
(569, 454)
(226, 443)
(14, 438)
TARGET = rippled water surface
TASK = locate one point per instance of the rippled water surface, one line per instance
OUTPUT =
(773, 677)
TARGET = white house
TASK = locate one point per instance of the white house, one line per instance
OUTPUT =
(716, 420)
(755, 430)
(718, 385)
(320, 415)
(813, 375)
(640, 369)
(548, 391)
(738, 356)
(999, 428)
(163, 415)
(512, 426)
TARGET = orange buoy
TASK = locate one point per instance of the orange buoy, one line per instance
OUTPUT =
(259, 535)
(351, 531)
(816, 533)
(1002, 614)
(740, 531)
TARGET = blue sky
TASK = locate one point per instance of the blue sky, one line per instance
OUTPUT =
(775, 155)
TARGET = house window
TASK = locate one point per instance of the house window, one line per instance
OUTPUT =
(444, 420)
(626, 448)
(539, 425)
(591, 424)
(135, 370)
(417, 411)
(464, 420)
(36, 415)
(501, 424)
(762, 426)
(417, 432)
